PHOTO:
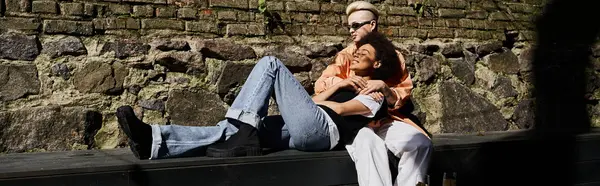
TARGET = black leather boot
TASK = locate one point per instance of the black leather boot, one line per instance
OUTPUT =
(243, 143)
(139, 134)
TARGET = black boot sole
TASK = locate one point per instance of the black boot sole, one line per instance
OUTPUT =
(135, 147)
(235, 152)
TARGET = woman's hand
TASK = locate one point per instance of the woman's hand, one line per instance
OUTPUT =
(355, 83)
(380, 86)
(377, 96)
(374, 86)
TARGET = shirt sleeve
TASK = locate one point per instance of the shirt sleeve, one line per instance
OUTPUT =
(370, 103)
(401, 85)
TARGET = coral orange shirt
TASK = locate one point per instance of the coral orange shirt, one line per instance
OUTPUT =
(400, 83)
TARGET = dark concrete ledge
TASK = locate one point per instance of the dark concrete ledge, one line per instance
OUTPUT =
(476, 158)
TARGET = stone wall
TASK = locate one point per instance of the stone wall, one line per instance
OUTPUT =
(65, 66)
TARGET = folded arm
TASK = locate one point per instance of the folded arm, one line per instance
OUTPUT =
(360, 105)
(352, 107)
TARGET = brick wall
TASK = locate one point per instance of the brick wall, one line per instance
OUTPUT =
(473, 19)
(65, 66)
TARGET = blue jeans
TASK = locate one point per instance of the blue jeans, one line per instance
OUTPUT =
(302, 124)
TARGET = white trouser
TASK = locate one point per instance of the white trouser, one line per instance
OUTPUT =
(369, 153)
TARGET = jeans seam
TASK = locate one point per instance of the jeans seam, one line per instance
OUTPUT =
(254, 91)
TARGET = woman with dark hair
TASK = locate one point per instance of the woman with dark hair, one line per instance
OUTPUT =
(326, 121)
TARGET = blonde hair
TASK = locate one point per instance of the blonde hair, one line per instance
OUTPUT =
(362, 5)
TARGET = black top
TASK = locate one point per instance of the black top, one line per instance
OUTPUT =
(348, 126)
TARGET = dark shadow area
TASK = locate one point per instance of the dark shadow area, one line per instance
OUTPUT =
(550, 153)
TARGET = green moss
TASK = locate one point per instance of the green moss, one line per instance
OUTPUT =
(153, 91)
(77, 146)
(109, 136)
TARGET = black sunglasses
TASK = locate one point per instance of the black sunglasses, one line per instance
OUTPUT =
(356, 26)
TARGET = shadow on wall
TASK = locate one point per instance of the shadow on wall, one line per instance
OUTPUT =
(551, 155)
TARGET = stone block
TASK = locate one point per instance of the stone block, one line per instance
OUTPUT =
(143, 11)
(326, 30)
(48, 128)
(300, 17)
(290, 29)
(166, 12)
(441, 33)
(69, 45)
(19, 5)
(456, 114)
(453, 23)
(201, 26)
(189, 108)
(186, 13)
(71, 9)
(409, 22)
(498, 35)
(499, 16)
(89, 10)
(18, 81)
(465, 23)
(68, 27)
(489, 5)
(100, 10)
(505, 62)
(162, 24)
(225, 50)
(477, 14)
(44, 7)
(526, 36)
(473, 34)
(451, 13)
(146, 1)
(460, 4)
(480, 24)
(295, 60)
(167, 45)
(20, 23)
(19, 47)
(309, 30)
(439, 23)
(181, 61)
(408, 32)
(306, 6)
(275, 6)
(521, 8)
(425, 23)
(535, 2)
(250, 29)
(121, 23)
(242, 4)
(226, 15)
(119, 9)
(255, 29)
(329, 19)
(389, 31)
(333, 7)
(253, 4)
(400, 2)
(523, 17)
(407, 11)
(99, 77)
(462, 69)
(245, 16)
(207, 14)
(126, 48)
